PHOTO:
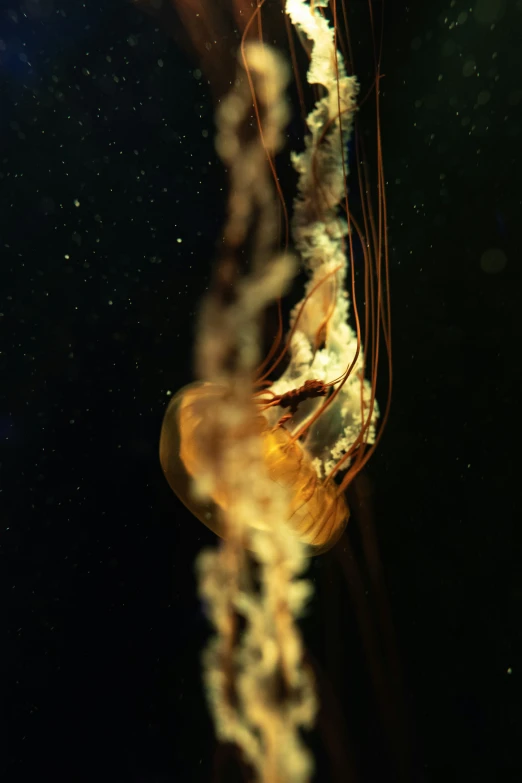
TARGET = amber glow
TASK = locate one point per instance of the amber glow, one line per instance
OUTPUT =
(318, 511)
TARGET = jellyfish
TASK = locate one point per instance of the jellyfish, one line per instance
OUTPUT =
(262, 448)
(314, 409)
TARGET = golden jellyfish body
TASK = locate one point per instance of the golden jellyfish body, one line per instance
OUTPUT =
(260, 447)
(340, 332)
(317, 510)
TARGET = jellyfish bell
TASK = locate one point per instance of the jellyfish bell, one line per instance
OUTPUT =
(317, 512)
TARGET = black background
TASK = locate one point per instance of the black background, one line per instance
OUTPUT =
(111, 202)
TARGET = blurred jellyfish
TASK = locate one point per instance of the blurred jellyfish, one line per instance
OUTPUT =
(262, 449)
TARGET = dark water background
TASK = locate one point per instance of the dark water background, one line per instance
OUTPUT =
(111, 202)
